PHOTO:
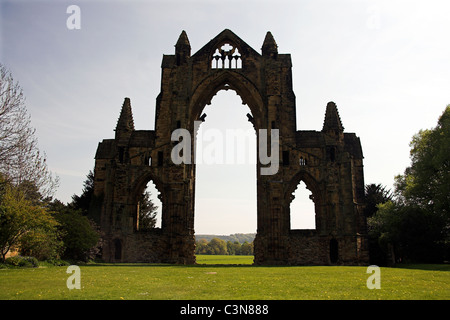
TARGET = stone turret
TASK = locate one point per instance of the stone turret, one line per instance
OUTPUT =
(269, 47)
(182, 49)
(125, 124)
(332, 124)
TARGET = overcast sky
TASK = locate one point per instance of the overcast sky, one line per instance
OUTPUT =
(384, 63)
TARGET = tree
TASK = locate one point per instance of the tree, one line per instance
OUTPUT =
(374, 195)
(21, 162)
(416, 223)
(406, 233)
(426, 181)
(147, 212)
(78, 232)
(88, 203)
(22, 220)
(233, 248)
(247, 249)
(83, 201)
(201, 246)
(217, 246)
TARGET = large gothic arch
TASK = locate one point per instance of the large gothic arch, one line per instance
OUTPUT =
(329, 161)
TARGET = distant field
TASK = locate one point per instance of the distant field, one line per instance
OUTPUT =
(212, 279)
(224, 259)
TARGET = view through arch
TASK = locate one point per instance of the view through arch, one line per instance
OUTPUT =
(225, 198)
(153, 197)
(303, 213)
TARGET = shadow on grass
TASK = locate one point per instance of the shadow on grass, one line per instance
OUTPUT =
(162, 265)
(429, 267)
(202, 265)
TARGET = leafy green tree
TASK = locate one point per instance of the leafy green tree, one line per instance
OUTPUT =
(233, 248)
(425, 182)
(247, 249)
(23, 220)
(79, 233)
(201, 246)
(415, 225)
(217, 246)
(407, 233)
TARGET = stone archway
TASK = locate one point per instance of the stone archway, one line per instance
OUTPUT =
(330, 159)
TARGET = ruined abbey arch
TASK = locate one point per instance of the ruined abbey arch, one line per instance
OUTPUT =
(330, 162)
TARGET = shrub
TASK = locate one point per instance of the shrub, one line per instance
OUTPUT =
(19, 261)
(58, 262)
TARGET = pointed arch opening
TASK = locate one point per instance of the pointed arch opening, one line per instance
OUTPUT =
(149, 208)
(302, 208)
(225, 183)
(305, 203)
(146, 204)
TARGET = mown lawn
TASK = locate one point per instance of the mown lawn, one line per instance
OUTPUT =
(212, 279)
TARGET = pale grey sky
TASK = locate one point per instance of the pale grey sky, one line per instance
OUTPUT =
(384, 63)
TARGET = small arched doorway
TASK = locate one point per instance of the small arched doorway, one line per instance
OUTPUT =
(117, 249)
(334, 251)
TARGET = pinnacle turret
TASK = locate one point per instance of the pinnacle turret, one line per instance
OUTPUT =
(269, 47)
(125, 122)
(182, 48)
(332, 120)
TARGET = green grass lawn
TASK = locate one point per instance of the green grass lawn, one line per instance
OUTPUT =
(212, 279)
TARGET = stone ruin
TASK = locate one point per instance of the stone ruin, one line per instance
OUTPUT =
(329, 162)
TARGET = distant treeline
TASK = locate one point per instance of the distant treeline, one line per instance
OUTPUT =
(222, 247)
(239, 237)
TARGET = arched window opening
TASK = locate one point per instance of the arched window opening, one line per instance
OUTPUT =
(225, 183)
(303, 215)
(302, 161)
(226, 57)
(147, 160)
(149, 208)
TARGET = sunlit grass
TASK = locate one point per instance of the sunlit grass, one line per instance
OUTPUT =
(213, 280)
(224, 259)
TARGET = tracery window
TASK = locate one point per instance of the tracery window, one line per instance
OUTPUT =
(226, 57)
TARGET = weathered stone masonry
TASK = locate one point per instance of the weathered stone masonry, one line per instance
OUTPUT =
(329, 162)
